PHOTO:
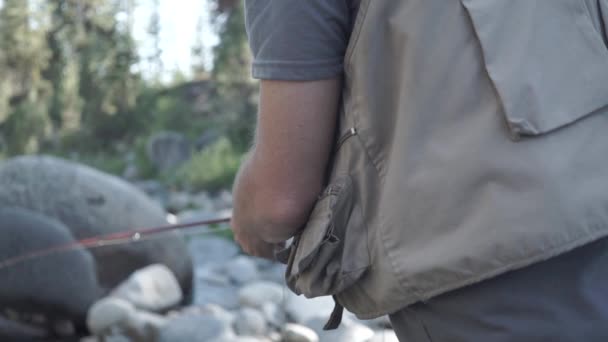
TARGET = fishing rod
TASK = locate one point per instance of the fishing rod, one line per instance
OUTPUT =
(119, 238)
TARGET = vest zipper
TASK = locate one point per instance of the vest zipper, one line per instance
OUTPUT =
(350, 133)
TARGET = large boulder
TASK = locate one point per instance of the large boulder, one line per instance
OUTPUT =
(168, 150)
(50, 288)
(92, 203)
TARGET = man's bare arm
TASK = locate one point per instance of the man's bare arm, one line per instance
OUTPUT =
(283, 174)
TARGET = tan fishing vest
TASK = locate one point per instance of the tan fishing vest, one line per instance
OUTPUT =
(474, 141)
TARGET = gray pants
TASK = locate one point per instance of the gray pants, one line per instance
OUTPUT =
(562, 299)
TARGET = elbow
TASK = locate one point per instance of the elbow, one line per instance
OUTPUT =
(284, 217)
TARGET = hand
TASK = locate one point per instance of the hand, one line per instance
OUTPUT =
(251, 243)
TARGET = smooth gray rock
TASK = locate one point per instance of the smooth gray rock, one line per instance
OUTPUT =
(17, 331)
(110, 338)
(211, 275)
(144, 326)
(178, 201)
(193, 328)
(109, 313)
(61, 285)
(244, 339)
(203, 201)
(168, 150)
(153, 288)
(152, 188)
(298, 333)
(384, 336)
(92, 203)
(225, 296)
(226, 317)
(242, 269)
(131, 172)
(349, 331)
(302, 309)
(274, 314)
(274, 273)
(212, 250)
(63, 328)
(250, 322)
(256, 294)
(196, 215)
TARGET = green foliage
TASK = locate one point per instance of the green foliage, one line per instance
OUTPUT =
(212, 169)
(23, 128)
(231, 56)
(144, 166)
(68, 87)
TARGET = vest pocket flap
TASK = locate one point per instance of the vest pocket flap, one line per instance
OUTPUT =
(318, 264)
(547, 60)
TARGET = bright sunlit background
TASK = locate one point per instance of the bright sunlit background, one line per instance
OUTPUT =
(183, 24)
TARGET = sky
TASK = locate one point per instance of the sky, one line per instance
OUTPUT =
(178, 31)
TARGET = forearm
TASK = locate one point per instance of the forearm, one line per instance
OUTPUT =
(282, 176)
(276, 214)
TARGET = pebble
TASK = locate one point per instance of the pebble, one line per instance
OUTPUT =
(242, 270)
(153, 288)
(192, 328)
(349, 331)
(108, 313)
(274, 314)
(386, 335)
(256, 294)
(250, 322)
(225, 296)
(299, 333)
(211, 250)
(302, 309)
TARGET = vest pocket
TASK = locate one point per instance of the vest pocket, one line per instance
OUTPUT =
(546, 59)
(327, 257)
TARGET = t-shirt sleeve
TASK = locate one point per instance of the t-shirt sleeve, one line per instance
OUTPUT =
(297, 40)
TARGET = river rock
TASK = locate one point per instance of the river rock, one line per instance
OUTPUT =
(256, 294)
(274, 273)
(92, 203)
(18, 331)
(385, 335)
(225, 296)
(193, 328)
(178, 201)
(298, 333)
(168, 150)
(302, 309)
(202, 201)
(144, 326)
(212, 250)
(153, 288)
(349, 331)
(61, 285)
(274, 314)
(250, 322)
(109, 313)
(242, 269)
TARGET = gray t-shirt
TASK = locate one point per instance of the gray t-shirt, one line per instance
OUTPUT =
(299, 40)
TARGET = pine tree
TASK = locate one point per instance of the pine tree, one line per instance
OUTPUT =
(154, 29)
(199, 52)
(23, 91)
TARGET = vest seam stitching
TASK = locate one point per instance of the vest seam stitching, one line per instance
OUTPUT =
(359, 21)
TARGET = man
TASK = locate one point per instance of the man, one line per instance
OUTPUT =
(470, 199)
